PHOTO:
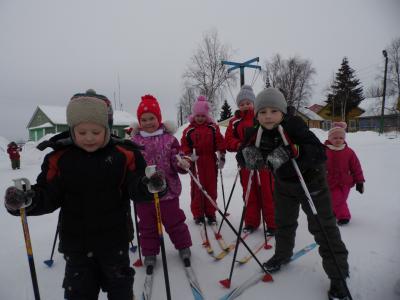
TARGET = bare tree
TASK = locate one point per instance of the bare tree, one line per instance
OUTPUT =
(374, 91)
(292, 76)
(394, 66)
(205, 72)
(185, 104)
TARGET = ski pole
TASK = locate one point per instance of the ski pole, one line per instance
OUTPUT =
(259, 192)
(49, 262)
(268, 277)
(314, 211)
(229, 200)
(23, 184)
(227, 282)
(222, 186)
(149, 171)
(138, 262)
(160, 233)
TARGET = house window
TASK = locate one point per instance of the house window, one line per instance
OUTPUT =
(352, 125)
(327, 124)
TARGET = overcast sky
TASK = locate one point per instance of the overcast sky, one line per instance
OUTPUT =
(51, 49)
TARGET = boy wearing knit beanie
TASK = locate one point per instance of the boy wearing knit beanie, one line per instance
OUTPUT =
(260, 201)
(343, 171)
(88, 120)
(91, 178)
(203, 142)
(266, 146)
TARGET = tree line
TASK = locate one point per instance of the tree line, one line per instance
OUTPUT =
(294, 76)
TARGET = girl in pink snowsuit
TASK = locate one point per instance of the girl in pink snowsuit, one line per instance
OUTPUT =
(343, 170)
(160, 149)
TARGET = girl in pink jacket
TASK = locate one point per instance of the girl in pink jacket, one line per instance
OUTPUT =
(343, 170)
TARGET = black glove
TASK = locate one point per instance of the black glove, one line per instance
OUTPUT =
(250, 157)
(360, 187)
(278, 157)
(156, 183)
(16, 199)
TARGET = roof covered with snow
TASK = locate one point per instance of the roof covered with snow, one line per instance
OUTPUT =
(310, 114)
(373, 106)
(57, 115)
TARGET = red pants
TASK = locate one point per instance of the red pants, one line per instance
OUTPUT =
(260, 197)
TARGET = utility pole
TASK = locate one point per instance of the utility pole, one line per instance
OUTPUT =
(241, 66)
(384, 93)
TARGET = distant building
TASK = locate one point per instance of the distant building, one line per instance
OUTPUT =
(312, 119)
(351, 117)
(315, 108)
(52, 119)
(371, 118)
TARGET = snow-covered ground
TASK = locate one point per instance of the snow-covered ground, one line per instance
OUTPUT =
(372, 237)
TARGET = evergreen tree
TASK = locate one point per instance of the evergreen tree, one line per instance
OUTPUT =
(226, 112)
(346, 91)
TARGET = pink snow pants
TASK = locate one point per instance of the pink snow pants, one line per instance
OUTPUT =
(339, 202)
(173, 219)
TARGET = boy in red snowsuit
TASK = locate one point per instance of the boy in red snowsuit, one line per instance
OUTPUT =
(260, 196)
(202, 140)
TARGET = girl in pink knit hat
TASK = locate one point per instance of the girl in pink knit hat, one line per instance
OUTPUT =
(344, 171)
(204, 143)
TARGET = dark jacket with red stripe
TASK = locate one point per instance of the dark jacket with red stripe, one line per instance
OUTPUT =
(311, 152)
(93, 191)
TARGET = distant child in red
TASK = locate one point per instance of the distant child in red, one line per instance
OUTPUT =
(260, 197)
(13, 153)
(344, 171)
(204, 143)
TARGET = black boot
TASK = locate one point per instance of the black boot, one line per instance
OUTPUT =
(199, 220)
(275, 262)
(211, 220)
(337, 291)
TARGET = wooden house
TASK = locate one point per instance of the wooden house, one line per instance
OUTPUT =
(52, 119)
(371, 118)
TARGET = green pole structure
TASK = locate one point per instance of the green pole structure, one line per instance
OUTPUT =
(241, 66)
(382, 128)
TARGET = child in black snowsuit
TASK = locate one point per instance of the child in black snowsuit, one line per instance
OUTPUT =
(271, 111)
(91, 176)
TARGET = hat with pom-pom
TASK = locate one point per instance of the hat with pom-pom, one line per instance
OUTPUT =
(92, 108)
(245, 93)
(201, 107)
(149, 104)
(338, 130)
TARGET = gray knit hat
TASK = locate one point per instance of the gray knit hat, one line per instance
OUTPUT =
(270, 97)
(88, 108)
(245, 93)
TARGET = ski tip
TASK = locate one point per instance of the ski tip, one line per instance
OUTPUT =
(138, 263)
(133, 248)
(48, 263)
(267, 278)
(218, 236)
(226, 283)
(227, 214)
(267, 246)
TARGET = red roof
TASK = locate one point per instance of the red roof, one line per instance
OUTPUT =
(315, 107)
